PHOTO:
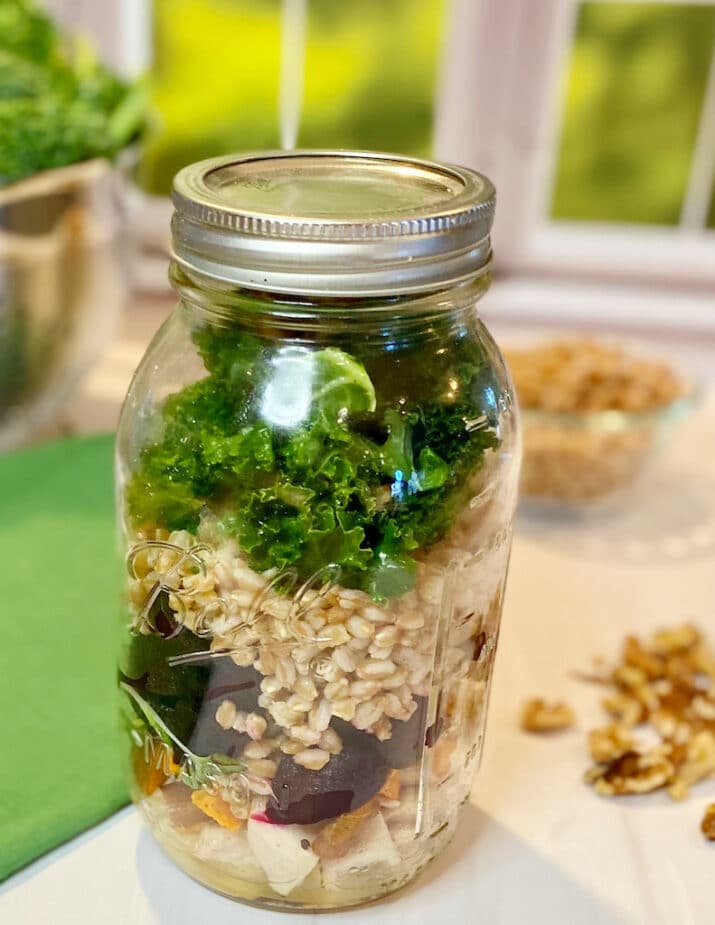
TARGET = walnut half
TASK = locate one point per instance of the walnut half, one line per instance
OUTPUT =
(538, 716)
(631, 773)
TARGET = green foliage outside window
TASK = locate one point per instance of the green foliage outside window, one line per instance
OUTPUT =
(632, 103)
(370, 78)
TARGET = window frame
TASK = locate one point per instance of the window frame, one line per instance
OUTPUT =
(121, 29)
(510, 60)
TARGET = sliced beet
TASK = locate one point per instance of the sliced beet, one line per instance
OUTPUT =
(404, 748)
(346, 782)
(208, 738)
(226, 681)
(162, 617)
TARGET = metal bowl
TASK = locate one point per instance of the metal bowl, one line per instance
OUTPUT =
(63, 279)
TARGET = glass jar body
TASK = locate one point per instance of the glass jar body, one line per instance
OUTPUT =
(315, 502)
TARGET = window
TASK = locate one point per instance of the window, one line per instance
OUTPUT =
(597, 120)
(635, 95)
(240, 75)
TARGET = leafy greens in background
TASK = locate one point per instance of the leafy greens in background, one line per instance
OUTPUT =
(58, 104)
(310, 457)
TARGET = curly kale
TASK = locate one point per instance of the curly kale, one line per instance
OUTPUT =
(26, 30)
(58, 105)
(297, 457)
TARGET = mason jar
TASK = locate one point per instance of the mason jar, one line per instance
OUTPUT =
(317, 466)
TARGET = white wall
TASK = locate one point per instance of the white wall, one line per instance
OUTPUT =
(120, 29)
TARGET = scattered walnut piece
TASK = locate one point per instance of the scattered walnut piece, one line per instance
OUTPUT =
(609, 742)
(707, 826)
(630, 678)
(625, 709)
(663, 688)
(631, 773)
(670, 728)
(704, 706)
(702, 660)
(698, 763)
(675, 640)
(635, 655)
(666, 687)
(538, 716)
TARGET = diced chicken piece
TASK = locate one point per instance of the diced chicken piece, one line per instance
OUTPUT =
(229, 849)
(283, 851)
(373, 851)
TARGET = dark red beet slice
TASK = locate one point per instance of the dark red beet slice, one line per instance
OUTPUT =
(227, 681)
(346, 782)
(405, 746)
(162, 617)
(208, 738)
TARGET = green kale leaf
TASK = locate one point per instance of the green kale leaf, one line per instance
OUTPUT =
(58, 104)
(26, 30)
(299, 459)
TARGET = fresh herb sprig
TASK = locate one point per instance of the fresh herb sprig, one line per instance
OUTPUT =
(195, 770)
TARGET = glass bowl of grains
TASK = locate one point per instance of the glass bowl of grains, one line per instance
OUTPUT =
(595, 415)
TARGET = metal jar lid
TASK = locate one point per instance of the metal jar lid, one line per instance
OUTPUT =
(332, 223)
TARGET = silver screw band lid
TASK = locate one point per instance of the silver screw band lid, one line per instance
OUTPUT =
(332, 223)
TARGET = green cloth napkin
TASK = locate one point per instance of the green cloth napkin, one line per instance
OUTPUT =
(59, 568)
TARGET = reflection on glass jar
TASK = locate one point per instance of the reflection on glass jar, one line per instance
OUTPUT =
(316, 492)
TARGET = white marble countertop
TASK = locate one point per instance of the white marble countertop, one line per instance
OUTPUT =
(535, 845)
